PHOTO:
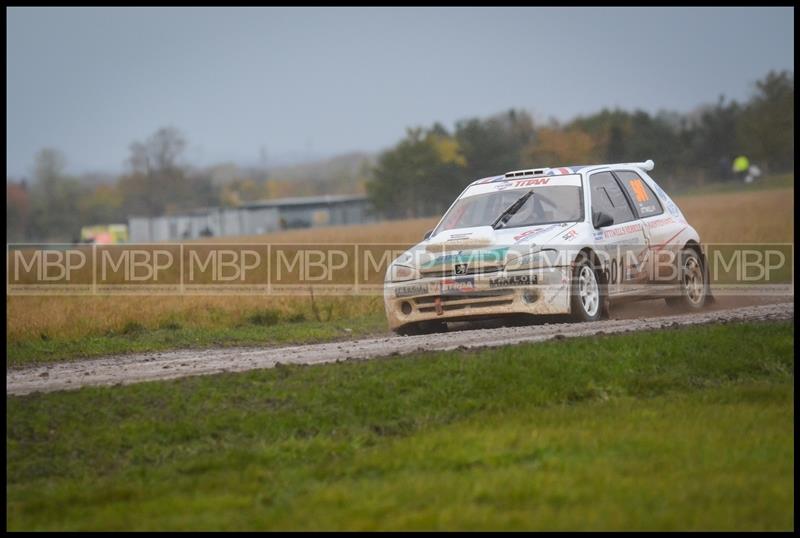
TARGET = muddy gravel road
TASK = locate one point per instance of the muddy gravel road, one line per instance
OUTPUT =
(135, 368)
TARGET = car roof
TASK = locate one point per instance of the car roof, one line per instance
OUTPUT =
(559, 171)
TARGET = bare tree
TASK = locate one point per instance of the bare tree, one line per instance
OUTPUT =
(160, 182)
(159, 153)
(158, 179)
(49, 166)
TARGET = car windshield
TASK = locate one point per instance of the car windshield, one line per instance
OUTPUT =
(548, 204)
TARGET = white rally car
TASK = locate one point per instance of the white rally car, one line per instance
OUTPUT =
(567, 240)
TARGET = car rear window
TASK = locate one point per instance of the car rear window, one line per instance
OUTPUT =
(645, 201)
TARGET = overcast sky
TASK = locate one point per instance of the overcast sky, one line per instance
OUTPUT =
(315, 81)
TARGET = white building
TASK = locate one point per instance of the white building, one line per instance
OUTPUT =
(253, 218)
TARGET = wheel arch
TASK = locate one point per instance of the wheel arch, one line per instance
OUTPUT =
(694, 245)
(589, 252)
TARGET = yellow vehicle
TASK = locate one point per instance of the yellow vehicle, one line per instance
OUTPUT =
(105, 234)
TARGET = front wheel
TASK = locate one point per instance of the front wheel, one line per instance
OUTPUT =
(587, 293)
(693, 285)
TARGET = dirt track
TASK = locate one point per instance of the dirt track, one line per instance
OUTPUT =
(136, 368)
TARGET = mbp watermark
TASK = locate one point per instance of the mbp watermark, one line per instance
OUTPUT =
(49, 265)
(365, 268)
(224, 269)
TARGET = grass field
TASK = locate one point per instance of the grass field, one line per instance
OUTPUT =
(684, 429)
(780, 181)
(90, 326)
(54, 328)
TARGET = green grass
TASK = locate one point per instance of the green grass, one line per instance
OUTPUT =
(259, 328)
(684, 429)
(780, 181)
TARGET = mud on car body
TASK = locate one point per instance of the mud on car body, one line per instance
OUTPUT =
(569, 240)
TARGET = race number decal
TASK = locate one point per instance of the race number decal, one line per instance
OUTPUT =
(638, 189)
(615, 272)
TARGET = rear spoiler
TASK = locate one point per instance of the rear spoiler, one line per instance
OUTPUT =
(646, 166)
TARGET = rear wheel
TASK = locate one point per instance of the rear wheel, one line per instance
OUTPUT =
(693, 285)
(587, 294)
(421, 327)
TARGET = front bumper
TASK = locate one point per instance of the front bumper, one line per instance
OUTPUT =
(531, 291)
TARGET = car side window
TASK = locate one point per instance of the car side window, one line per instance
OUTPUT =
(608, 197)
(646, 202)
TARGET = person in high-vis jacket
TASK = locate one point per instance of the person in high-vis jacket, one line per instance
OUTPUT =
(741, 165)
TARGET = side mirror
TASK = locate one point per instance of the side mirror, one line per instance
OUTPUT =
(427, 234)
(601, 220)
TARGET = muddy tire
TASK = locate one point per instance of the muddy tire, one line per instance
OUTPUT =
(693, 283)
(421, 327)
(588, 294)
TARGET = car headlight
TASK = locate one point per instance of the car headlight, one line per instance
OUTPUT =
(400, 273)
(542, 258)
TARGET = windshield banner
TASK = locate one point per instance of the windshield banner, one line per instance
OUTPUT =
(573, 180)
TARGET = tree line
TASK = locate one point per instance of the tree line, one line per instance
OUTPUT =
(55, 205)
(424, 171)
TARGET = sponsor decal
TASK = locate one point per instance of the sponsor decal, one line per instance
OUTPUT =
(460, 269)
(530, 233)
(480, 255)
(523, 235)
(534, 181)
(660, 191)
(408, 291)
(660, 222)
(503, 183)
(598, 236)
(459, 237)
(515, 280)
(527, 233)
(572, 234)
(647, 209)
(453, 285)
(523, 183)
(671, 207)
(623, 230)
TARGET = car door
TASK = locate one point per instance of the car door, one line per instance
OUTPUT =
(660, 227)
(623, 243)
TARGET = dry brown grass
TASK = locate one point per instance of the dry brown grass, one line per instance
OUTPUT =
(76, 317)
(761, 216)
(402, 231)
(742, 217)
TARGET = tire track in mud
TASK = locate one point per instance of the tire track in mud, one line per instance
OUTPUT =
(154, 366)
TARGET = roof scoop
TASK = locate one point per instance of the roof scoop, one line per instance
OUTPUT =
(525, 173)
